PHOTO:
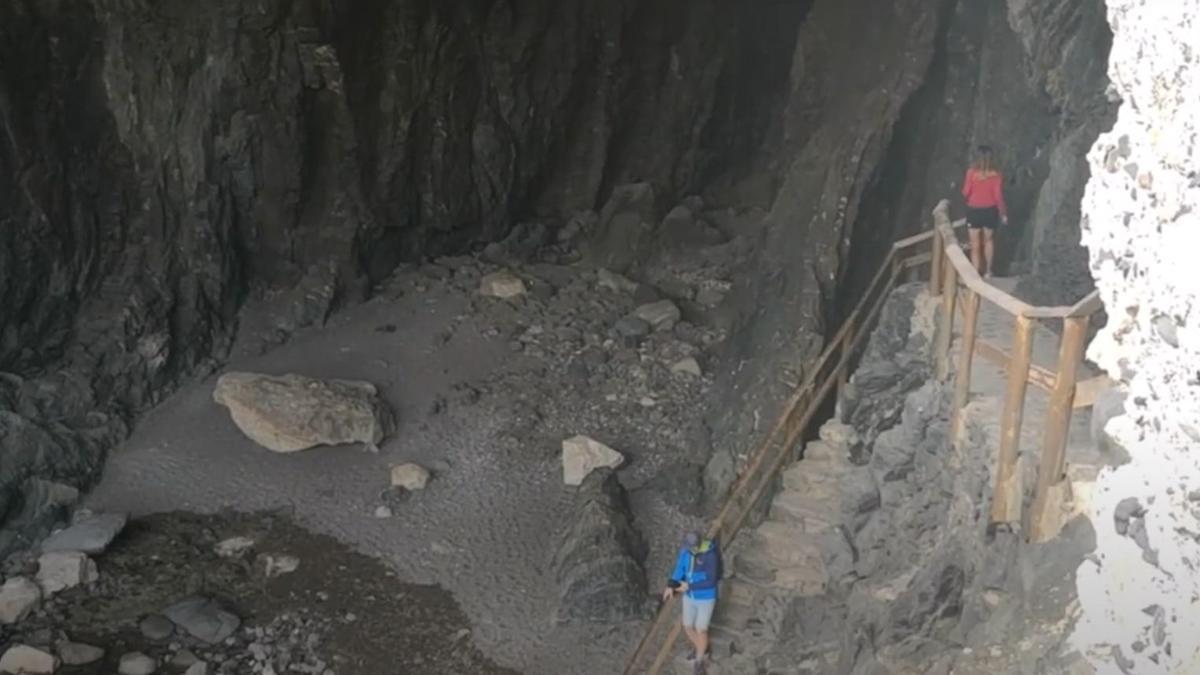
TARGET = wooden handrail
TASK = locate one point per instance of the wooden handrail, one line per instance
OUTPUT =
(949, 268)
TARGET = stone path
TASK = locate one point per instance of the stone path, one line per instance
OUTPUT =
(787, 557)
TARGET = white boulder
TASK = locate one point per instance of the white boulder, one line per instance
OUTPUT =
(582, 455)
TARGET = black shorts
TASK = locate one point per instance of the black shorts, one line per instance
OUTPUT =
(988, 218)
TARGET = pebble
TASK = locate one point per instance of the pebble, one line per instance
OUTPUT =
(383, 511)
(278, 565)
(79, 654)
(136, 663)
(204, 619)
(687, 366)
(156, 627)
(234, 547)
(411, 477)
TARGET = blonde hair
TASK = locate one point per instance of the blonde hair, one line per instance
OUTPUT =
(984, 161)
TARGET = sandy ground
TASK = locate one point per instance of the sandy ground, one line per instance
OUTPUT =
(483, 529)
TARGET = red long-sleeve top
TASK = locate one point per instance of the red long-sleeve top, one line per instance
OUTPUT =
(982, 192)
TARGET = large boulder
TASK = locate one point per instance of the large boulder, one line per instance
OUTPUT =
(598, 562)
(26, 660)
(291, 412)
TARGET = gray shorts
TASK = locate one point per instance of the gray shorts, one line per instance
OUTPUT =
(697, 613)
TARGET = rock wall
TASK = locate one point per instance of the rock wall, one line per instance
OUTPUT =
(1026, 77)
(160, 160)
(1142, 229)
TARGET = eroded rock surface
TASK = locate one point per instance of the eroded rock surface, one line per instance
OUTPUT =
(599, 557)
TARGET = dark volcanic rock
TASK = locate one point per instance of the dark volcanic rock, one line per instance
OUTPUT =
(162, 160)
(599, 558)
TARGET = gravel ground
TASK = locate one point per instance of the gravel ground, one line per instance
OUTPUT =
(338, 612)
(484, 390)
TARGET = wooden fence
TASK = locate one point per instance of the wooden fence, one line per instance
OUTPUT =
(939, 251)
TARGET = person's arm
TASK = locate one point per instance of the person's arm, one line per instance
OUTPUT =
(677, 576)
(966, 186)
(1000, 198)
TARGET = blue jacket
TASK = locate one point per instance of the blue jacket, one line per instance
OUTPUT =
(701, 571)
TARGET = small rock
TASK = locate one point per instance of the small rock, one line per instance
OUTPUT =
(614, 282)
(198, 668)
(27, 660)
(204, 619)
(582, 455)
(661, 315)
(18, 597)
(278, 565)
(411, 477)
(60, 571)
(136, 663)
(184, 658)
(91, 535)
(383, 511)
(234, 547)
(291, 412)
(156, 627)
(631, 329)
(79, 654)
(687, 366)
(502, 285)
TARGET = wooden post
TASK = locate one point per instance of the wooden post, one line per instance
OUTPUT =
(1058, 424)
(1006, 502)
(945, 333)
(962, 381)
(937, 262)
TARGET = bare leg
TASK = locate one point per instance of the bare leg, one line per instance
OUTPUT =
(701, 644)
(693, 637)
(976, 235)
(989, 250)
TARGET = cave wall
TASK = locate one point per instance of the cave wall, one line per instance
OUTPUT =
(838, 122)
(1028, 78)
(161, 160)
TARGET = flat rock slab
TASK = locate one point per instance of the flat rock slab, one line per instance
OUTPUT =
(91, 535)
(27, 660)
(292, 412)
(582, 455)
(203, 619)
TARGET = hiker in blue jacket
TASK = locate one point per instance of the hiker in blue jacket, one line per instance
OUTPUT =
(697, 574)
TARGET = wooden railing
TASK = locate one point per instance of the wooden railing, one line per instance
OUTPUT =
(779, 446)
(949, 273)
(951, 270)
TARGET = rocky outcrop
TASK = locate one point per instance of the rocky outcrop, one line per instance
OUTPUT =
(292, 412)
(1141, 218)
(599, 557)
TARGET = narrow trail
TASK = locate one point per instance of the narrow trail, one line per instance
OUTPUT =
(789, 558)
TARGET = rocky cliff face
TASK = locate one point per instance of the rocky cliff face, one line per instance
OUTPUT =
(1142, 220)
(158, 161)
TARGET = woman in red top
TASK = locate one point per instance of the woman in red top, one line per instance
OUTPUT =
(983, 188)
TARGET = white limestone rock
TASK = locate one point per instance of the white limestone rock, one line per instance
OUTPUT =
(411, 477)
(18, 597)
(582, 455)
(503, 285)
(26, 660)
(58, 571)
(292, 412)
